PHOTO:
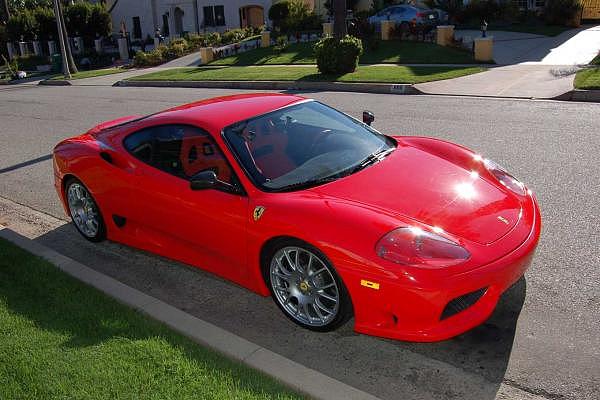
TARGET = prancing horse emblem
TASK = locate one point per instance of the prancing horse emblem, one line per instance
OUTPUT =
(258, 212)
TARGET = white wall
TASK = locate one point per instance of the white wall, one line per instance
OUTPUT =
(127, 9)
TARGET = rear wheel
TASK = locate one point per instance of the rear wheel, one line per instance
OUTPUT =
(84, 211)
(306, 287)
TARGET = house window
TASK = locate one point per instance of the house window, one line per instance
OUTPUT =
(540, 3)
(214, 16)
(137, 28)
(220, 15)
(165, 27)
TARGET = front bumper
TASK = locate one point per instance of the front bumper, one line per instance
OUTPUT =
(402, 312)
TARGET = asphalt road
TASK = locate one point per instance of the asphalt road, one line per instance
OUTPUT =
(543, 340)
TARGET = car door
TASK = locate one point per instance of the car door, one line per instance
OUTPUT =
(206, 228)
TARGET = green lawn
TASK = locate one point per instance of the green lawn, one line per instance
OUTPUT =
(61, 339)
(90, 74)
(385, 74)
(393, 51)
(588, 79)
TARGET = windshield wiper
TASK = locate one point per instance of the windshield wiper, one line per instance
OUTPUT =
(306, 184)
(372, 158)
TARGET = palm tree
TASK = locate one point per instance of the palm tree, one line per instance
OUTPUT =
(5, 10)
(69, 54)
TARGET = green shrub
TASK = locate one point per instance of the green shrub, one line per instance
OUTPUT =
(21, 24)
(213, 39)
(77, 18)
(150, 58)
(477, 11)
(177, 48)
(195, 41)
(29, 63)
(233, 36)
(561, 12)
(300, 18)
(281, 44)
(338, 57)
(100, 24)
(11, 66)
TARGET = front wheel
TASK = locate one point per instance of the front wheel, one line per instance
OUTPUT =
(306, 287)
(84, 211)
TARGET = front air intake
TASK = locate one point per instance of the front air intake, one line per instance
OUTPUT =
(461, 303)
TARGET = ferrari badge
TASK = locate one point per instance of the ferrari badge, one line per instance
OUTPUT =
(258, 212)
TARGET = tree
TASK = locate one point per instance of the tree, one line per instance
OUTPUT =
(21, 26)
(339, 18)
(45, 24)
(278, 13)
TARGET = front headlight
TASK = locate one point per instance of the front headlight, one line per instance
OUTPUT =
(417, 247)
(505, 179)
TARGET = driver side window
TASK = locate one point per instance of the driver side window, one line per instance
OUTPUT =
(179, 150)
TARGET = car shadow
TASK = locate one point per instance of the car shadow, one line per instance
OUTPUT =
(486, 349)
(470, 366)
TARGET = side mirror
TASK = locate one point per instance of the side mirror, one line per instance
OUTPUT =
(368, 117)
(204, 180)
(208, 180)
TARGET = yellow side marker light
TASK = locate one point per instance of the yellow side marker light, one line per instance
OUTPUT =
(369, 284)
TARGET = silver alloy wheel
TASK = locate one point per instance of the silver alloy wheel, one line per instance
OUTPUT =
(304, 286)
(83, 210)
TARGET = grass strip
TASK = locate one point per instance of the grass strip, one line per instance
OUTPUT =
(60, 338)
(90, 74)
(369, 74)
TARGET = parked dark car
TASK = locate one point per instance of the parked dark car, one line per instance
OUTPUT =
(405, 14)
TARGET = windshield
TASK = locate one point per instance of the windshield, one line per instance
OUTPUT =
(304, 145)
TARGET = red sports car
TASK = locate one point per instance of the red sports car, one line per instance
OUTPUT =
(415, 237)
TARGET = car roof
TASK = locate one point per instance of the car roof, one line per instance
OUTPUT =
(218, 112)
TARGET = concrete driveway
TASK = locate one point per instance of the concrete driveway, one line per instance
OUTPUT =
(529, 66)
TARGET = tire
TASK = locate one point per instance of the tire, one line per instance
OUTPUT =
(84, 211)
(311, 295)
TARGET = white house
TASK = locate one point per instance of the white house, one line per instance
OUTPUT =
(175, 17)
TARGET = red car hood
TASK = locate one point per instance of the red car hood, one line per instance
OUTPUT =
(430, 189)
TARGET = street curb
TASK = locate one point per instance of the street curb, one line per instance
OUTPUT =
(56, 82)
(381, 88)
(580, 95)
(298, 377)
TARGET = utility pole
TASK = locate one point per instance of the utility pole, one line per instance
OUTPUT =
(61, 41)
(70, 60)
(339, 19)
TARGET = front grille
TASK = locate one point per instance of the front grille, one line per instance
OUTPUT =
(461, 303)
